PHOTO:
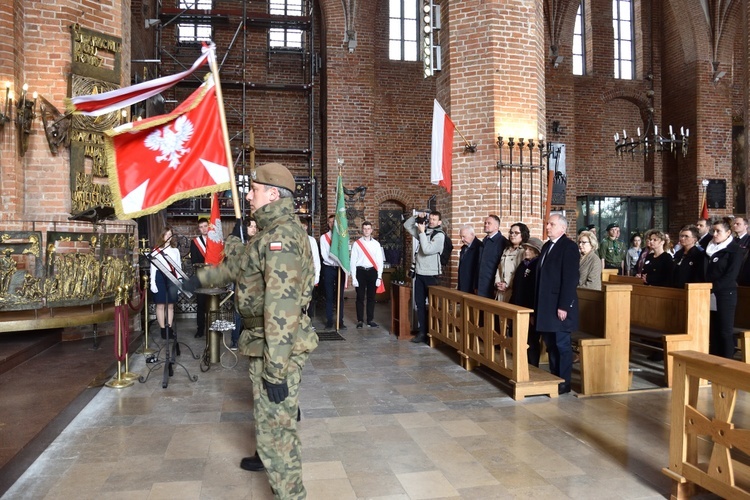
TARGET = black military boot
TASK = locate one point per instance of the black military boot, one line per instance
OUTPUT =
(164, 333)
(253, 463)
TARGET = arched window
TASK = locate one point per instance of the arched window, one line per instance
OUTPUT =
(622, 24)
(579, 45)
(403, 30)
(285, 38)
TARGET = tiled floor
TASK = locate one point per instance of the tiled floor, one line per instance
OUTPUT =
(382, 419)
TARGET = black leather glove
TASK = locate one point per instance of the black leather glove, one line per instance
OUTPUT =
(239, 229)
(276, 392)
(192, 284)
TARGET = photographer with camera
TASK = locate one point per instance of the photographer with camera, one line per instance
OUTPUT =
(426, 261)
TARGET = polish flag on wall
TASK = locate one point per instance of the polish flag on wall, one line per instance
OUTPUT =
(442, 147)
(215, 240)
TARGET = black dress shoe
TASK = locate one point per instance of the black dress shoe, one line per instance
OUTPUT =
(253, 463)
(420, 339)
(360, 324)
(563, 388)
(199, 334)
(342, 326)
(372, 324)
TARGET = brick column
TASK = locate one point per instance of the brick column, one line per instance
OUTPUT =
(493, 83)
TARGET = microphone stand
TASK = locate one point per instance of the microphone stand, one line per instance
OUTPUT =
(171, 341)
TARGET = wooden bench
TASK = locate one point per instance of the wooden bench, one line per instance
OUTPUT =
(674, 319)
(477, 326)
(606, 273)
(706, 443)
(604, 338)
(742, 321)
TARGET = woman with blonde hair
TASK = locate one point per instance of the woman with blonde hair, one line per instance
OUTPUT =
(590, 265)
(164, 290)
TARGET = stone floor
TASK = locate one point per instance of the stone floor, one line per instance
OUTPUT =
(381, 419)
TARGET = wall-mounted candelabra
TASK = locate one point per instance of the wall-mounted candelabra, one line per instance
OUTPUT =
(522, 161)
(25, 114)
(651, 141)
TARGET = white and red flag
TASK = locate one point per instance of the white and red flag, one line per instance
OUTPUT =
(157, 161)
(215, 240)
(101, 104)
(442, 147)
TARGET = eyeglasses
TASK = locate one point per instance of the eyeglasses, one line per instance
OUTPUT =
(514, 233)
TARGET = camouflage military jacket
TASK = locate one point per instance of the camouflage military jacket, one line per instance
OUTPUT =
(275, 277)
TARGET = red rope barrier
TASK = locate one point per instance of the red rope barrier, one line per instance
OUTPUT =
(126, 327)
(119, 350)
(140, 292)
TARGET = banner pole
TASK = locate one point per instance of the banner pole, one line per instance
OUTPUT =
(222, 114)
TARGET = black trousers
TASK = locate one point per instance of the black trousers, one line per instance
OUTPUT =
(366, 279)
(721, 333)
(421, 285)
(200, 311)
(560, 352)
(332, 282)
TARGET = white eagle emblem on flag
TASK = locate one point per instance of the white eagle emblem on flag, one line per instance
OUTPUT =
(216, 232)
(171, 144)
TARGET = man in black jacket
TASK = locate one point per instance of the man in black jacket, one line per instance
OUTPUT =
(489, 257)
(468, 260)
(556, 307)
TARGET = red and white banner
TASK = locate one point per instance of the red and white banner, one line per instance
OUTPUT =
(442, 147)
(101, 104)
(215, 240)
(157, 161)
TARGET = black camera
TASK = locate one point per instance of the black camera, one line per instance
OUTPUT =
(421, 220)
(412, 270)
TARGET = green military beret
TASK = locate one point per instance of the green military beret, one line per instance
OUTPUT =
(274, 174)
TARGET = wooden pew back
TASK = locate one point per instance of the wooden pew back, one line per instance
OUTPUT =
(605, 359)
(477, 327)
(680, 315)
(692, 463)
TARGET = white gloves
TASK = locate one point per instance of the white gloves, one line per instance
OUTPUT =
(355, 283)
(154, 289)
(378, 281)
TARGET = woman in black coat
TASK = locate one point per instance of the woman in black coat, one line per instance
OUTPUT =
(688, 261)
(657, 269)
(723, 262)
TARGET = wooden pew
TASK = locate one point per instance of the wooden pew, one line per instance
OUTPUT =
(445, 320)
(476, 327)
(708, 447)
(604, 338)
(742, 321)
(676, 318)
(606, 273)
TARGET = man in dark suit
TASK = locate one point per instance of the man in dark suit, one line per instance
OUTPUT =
(739, 225)
(468, 260)
(705, 232)
(556, 305)
(489, 257)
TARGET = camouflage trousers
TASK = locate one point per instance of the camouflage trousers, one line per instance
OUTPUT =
(276, 431)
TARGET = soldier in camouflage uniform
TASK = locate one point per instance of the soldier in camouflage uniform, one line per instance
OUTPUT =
(275, 276)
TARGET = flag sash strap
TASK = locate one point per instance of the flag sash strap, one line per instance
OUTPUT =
(367, 254)
(328, 238)
(200, 246)
(106, 102)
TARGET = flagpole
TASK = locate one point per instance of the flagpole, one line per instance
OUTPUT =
(228, 149)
